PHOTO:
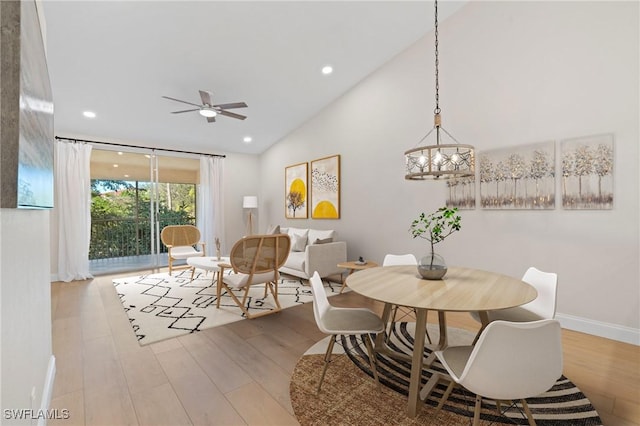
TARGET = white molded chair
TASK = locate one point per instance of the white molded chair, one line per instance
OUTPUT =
(542, 307)
(510, 361)
(399, 259)
(337, 321)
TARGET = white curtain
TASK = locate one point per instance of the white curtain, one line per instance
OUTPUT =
(73, 206)
(210, 204)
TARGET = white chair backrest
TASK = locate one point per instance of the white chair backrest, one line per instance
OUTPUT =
(320, 301)
(399, 259)
(546, 283)
(515, 360)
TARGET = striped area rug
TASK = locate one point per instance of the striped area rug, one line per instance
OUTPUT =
(564, 404)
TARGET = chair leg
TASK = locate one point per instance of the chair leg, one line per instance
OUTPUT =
(527, 411)
(392, 324)
(476, 411)
(446, 395)
(327, 359)
(372, 358)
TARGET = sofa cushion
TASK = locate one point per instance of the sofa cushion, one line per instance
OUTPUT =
(320, 234)
(298, 242)
(273, 229)
(324, 241)
(295, 261)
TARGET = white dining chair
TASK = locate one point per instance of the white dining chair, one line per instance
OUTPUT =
(542, 307)
(337, 321)
(511, 361)
(399, 259)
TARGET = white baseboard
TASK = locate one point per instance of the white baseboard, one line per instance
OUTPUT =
(601, 329)
(47, 391)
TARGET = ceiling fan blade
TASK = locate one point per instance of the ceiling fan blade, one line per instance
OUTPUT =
(211, 119)
(232, 114)
(206, 97)
(184, 102)
(186, 110)
(231, 106)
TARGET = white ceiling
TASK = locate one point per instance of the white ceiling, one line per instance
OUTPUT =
(117, 58)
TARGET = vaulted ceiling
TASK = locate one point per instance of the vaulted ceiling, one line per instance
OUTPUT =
(118, 58)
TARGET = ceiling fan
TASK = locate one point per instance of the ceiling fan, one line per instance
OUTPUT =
(208, 110)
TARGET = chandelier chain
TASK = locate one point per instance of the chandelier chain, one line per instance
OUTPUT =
(437, 109)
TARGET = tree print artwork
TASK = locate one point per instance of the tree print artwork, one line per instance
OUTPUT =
(518, 178)
(587, 172)
(295, 191)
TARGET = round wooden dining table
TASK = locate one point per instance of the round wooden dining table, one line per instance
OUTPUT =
(460, 290)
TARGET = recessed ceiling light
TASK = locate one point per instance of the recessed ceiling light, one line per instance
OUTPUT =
(120, 153)
(327, 69)
(247, 139)
(115, 165)
(89, 114)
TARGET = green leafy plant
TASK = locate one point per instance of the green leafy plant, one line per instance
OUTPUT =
(436, 226)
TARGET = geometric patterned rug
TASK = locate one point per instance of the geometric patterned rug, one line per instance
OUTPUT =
(349, 394)
(160, 306)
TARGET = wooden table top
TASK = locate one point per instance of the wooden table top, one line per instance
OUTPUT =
(461, 289)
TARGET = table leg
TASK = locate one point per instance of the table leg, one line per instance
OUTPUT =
(344, 280)
(416, 362)
(218, 287)
(442, 341)
(379, 345)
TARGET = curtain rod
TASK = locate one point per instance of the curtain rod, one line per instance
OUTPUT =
(140, 147)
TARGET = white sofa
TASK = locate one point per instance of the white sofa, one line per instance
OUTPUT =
(313, 250)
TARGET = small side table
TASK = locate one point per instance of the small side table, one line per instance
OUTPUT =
(208, 263)
(354, 266)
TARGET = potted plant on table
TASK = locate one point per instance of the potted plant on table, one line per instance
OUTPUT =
(435, 227)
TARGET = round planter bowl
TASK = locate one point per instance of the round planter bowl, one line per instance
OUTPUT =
(434, 273)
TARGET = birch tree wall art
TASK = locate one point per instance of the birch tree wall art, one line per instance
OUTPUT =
(461, 193)
(518, 178)
(587, 172)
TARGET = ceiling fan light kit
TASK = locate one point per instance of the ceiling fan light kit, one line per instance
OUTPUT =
(208, 110)
(439, 160)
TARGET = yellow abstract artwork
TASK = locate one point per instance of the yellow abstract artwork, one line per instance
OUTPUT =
(325, 188)
(295, 191)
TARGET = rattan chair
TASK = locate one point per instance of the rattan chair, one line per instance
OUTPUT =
(181, 242)
(255, 260)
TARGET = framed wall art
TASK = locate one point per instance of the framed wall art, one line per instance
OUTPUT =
(325, 188)
(518, 177)
(587, 172)
(461, 193)
(295, 191)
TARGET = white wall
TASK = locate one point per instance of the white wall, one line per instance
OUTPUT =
(25, 310)
(511, 73)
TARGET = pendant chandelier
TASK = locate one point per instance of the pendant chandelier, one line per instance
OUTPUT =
(441, 160)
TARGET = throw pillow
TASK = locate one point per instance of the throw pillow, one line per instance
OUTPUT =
(298, 242)
(273, 229)
(323, 241)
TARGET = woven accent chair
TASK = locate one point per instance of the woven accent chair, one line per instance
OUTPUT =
(255, 260)
(181, 241)
(336, 321)
(511, 361)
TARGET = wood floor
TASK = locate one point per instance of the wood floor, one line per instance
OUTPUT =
(239, 373)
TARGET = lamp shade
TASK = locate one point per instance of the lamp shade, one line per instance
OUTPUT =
(250, 202)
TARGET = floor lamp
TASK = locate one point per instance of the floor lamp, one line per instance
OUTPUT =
(250, 202)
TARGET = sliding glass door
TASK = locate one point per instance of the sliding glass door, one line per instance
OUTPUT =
(134, 195)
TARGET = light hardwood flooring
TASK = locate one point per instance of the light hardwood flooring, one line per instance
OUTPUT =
(239, 373)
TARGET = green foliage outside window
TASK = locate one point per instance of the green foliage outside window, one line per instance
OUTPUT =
(120, 224)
